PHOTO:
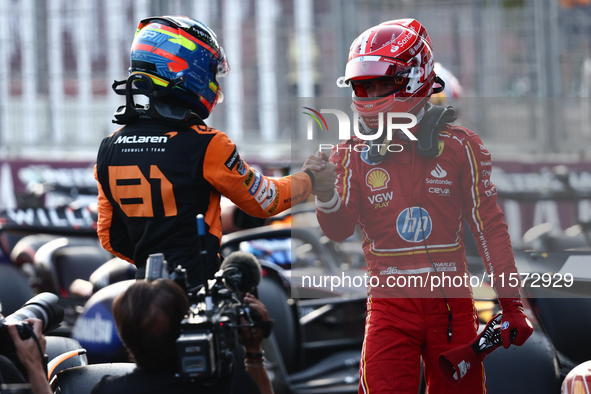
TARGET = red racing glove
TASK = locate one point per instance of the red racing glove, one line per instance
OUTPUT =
(514, 321)
(456, 363)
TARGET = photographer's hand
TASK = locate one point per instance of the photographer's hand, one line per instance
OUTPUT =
(253, 338)
(29, 355)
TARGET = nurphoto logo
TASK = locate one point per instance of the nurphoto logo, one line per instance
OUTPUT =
(344, 125)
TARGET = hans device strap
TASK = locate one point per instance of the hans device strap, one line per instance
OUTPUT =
(156, 109)
(433, 121)
(375, 154)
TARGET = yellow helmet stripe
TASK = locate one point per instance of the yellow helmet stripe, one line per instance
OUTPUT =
(176, 38)
(156, 80)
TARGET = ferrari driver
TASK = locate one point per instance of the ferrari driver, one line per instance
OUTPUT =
(411, 207)
(165, 165)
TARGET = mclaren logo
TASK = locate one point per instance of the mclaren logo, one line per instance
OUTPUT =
(142, 139)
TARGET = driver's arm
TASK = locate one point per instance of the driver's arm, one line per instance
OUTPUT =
(253, 192)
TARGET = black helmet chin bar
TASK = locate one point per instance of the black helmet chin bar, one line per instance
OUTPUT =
(441, 82)
(156, 109)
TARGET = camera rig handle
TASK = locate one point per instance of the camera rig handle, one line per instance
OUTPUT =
(203, 260)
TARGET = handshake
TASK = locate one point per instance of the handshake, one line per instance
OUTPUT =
(324, 175)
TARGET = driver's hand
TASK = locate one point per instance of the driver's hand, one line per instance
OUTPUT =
(315, 162)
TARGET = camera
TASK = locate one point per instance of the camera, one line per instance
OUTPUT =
(209, 335)
(43, 307)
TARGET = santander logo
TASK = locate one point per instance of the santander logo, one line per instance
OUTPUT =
(405, 39)
(438, 172)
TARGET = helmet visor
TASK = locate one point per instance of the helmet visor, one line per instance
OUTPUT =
(379, 87)
(223, 67)
(373, 68)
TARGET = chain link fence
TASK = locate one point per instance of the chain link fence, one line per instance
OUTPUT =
(528, 60)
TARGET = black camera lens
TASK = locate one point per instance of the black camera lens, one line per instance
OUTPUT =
(43, 307)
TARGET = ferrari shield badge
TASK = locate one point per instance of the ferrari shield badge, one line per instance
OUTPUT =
(440, 145)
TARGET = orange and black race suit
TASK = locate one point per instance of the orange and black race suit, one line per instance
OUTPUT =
(154, 178)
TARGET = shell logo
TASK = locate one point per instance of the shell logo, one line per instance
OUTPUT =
(377, 179)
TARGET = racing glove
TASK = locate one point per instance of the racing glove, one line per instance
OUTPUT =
(514, 321)
(456, 363)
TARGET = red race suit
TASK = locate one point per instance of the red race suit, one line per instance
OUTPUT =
(407, 313)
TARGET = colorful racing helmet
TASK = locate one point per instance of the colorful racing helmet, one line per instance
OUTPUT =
(578, 380)
(401, 50)
(183, 52)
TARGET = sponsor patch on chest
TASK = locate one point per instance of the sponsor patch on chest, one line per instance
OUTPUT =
(380, 200)
(441, 191)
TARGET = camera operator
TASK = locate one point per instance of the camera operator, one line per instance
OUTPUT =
(31, 358)
(252, 339)
(148, 318)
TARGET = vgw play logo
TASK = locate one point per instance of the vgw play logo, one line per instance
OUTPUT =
(344, 125)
